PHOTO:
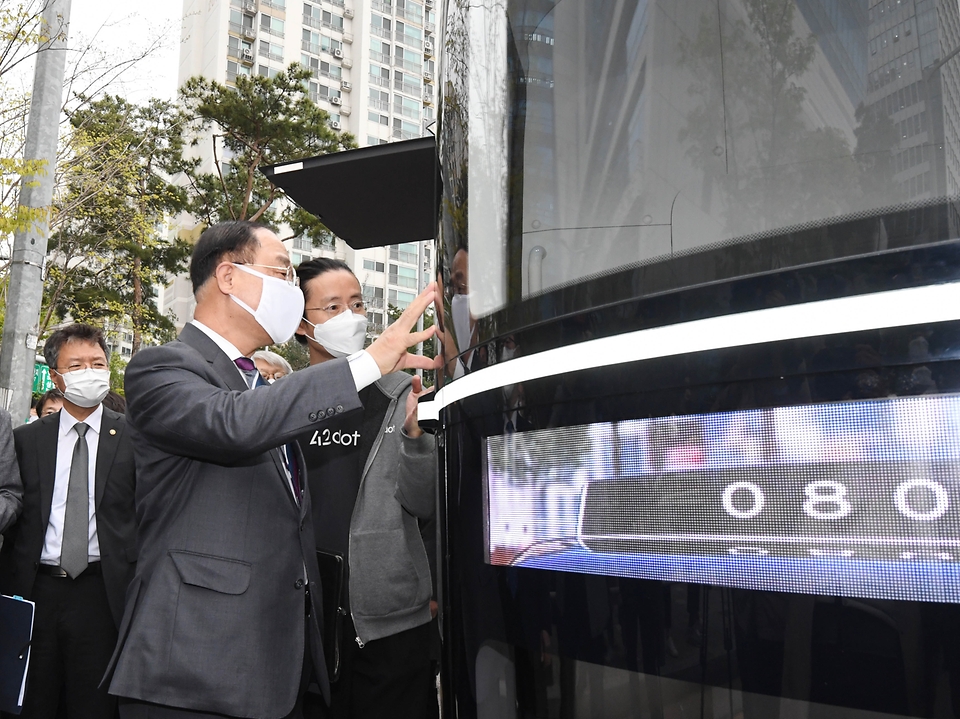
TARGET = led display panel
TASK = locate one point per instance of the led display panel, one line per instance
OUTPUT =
(856, 499)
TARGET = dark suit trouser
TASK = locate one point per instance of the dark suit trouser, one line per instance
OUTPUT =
(391, 677)
(73, 638)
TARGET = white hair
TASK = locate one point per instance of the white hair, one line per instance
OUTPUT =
(273, 359)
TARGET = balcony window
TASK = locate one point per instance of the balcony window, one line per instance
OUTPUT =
(273, 51)
(407, 83)
(379, 100)
(406, 107)
(407, 252)
(400, 299)
(271, 25)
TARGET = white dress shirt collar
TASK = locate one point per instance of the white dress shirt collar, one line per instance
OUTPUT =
(228, 347)
(67, 420)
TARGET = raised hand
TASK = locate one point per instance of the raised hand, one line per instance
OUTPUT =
(410, 426)
(390, 348)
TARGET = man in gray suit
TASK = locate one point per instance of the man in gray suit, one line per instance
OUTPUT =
(222, 618)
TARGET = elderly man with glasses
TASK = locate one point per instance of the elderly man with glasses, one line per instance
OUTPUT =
(222, 617)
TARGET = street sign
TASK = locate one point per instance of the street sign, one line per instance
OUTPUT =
(41, 378)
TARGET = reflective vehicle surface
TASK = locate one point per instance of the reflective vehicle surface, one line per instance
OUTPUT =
(701, 331)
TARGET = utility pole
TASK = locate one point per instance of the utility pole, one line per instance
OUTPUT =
(20, 328)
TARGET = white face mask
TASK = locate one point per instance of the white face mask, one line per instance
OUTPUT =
(280, 308)
(341, 335)
(460, 311)
(86, 387)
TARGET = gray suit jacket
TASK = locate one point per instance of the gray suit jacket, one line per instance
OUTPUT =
(11, 489)
(214, 617)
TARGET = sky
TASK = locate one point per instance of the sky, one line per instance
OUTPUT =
(120, 28)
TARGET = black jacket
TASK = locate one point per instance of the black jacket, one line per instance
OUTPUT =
(36, 447)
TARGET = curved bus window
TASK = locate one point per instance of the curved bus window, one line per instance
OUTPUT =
(608, 136)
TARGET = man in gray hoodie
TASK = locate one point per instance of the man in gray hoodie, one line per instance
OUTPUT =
(373, 481)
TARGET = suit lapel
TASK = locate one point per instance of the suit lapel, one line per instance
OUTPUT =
(302, 465)
(224, 367)
(110, 430)
(231, 377)
(46, 448)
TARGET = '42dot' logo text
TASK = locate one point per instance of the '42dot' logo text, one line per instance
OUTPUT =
(325, 438)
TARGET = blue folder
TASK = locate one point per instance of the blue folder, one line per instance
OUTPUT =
(16, 631)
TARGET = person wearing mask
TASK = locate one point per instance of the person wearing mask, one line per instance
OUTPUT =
(271, 365)
(373, 478)
(222, 617)
(73, 549)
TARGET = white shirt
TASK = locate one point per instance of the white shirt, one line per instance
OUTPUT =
(66, 441)
(363, 367)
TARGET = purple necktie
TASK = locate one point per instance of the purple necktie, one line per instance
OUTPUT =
(288, 453)
(245, 363)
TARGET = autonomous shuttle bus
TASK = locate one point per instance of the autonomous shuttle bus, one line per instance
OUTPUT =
(700, 403)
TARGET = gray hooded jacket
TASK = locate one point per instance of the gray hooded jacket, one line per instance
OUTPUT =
(390, 584)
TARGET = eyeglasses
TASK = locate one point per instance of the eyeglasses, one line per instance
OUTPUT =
(287, 273)
(357, 306)
(77, 366)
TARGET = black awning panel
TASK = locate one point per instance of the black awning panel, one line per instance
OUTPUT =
(369, 197)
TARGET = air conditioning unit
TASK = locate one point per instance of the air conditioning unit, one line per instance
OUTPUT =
(249, 7)
(428, 48)
(336, 101)
(338, 54)
(345, 86)
(428, 3)
(347, 12)
(335, 125)
(246, 55)
(428, 76)
(249, 33)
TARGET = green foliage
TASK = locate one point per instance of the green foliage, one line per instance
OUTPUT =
(293, 352)
(261, 121)
(118, 366)
(115, 245)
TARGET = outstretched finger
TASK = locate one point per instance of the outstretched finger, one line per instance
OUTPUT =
(415, 338)
(417, 385)
(412, 361)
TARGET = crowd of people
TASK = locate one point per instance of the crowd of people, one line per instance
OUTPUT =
(237, 539)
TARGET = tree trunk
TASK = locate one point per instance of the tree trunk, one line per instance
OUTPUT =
(137, 315)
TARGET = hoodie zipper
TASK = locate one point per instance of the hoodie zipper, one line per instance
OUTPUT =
(373, 453)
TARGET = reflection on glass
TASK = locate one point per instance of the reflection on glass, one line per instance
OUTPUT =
(641, 130)
(855, 499)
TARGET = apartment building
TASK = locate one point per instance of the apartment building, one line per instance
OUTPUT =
(374, 64)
